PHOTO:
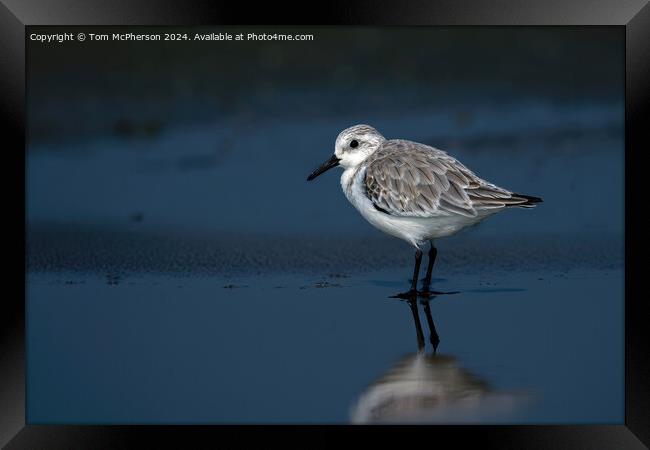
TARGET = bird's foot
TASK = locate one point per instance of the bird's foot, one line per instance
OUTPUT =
(425, 294)
(429, 293)
(408, 295)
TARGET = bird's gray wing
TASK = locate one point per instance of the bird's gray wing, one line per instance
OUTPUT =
(409, 179)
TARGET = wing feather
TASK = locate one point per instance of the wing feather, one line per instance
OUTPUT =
(406, 178)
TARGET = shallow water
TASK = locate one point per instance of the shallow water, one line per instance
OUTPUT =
(544, 347)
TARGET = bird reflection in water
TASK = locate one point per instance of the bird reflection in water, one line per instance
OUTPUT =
(427, 387)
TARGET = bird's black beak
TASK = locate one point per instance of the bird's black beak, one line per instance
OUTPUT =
(327, 165)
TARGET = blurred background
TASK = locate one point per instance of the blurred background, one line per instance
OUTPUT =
(165, 133)
(188, 159)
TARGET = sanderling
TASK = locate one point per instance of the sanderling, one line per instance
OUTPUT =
(413, 191)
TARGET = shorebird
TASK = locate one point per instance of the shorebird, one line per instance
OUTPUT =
(413, 191)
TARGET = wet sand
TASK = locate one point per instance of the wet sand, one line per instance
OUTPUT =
(102, 250)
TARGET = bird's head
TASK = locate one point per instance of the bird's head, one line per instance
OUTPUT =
(353, 145)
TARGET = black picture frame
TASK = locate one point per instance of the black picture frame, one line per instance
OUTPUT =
(15, 15)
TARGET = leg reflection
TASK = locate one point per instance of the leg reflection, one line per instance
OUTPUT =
(433, 334)
(416, 319)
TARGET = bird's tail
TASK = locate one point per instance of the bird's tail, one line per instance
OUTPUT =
(527, 201)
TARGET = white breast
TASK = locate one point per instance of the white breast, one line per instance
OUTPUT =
(415, 230)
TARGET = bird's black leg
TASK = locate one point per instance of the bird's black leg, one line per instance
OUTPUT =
(433, 334)
(416, 271)
(413, 292)
(433, 252)
(418, 327)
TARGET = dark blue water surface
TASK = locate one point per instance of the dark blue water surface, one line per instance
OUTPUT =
(181, 270)
(155, 349)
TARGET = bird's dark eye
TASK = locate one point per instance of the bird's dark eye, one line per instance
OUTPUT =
(354, 143)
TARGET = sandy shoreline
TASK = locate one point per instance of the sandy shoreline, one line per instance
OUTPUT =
(86, 248)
